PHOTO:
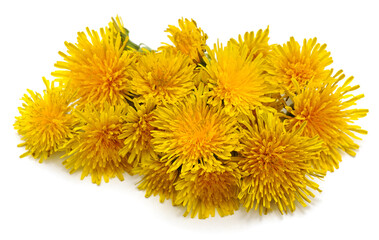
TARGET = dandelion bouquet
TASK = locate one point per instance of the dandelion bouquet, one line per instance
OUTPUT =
(247, 124)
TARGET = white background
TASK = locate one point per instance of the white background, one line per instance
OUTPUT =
(43, 201)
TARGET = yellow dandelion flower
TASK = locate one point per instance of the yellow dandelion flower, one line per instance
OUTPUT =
(188, 39)
(275, 164)
(291, 62)
(203, 192)
(236, 79)
(164, 76)
(193, 134)
(255, 43)
(46, 122)
(95, 149)
(98, 68)
(157, 180)
(136, 133)
(326, 110)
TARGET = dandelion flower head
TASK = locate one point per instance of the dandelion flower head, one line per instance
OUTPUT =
(203, 192)
(188, 39)
(46, 122)
(98, 67)
(291, 63)
(165, 76)
(236, 80)
(95, 149)
(326, 109)
(193, 134)
(275, 164)
(136, 133)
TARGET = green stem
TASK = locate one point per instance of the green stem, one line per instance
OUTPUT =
(133, 45)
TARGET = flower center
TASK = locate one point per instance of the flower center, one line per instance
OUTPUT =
(302, 72)
(268, 151)
(144, 129)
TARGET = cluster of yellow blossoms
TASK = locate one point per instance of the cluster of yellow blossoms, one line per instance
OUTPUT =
(243, 124)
